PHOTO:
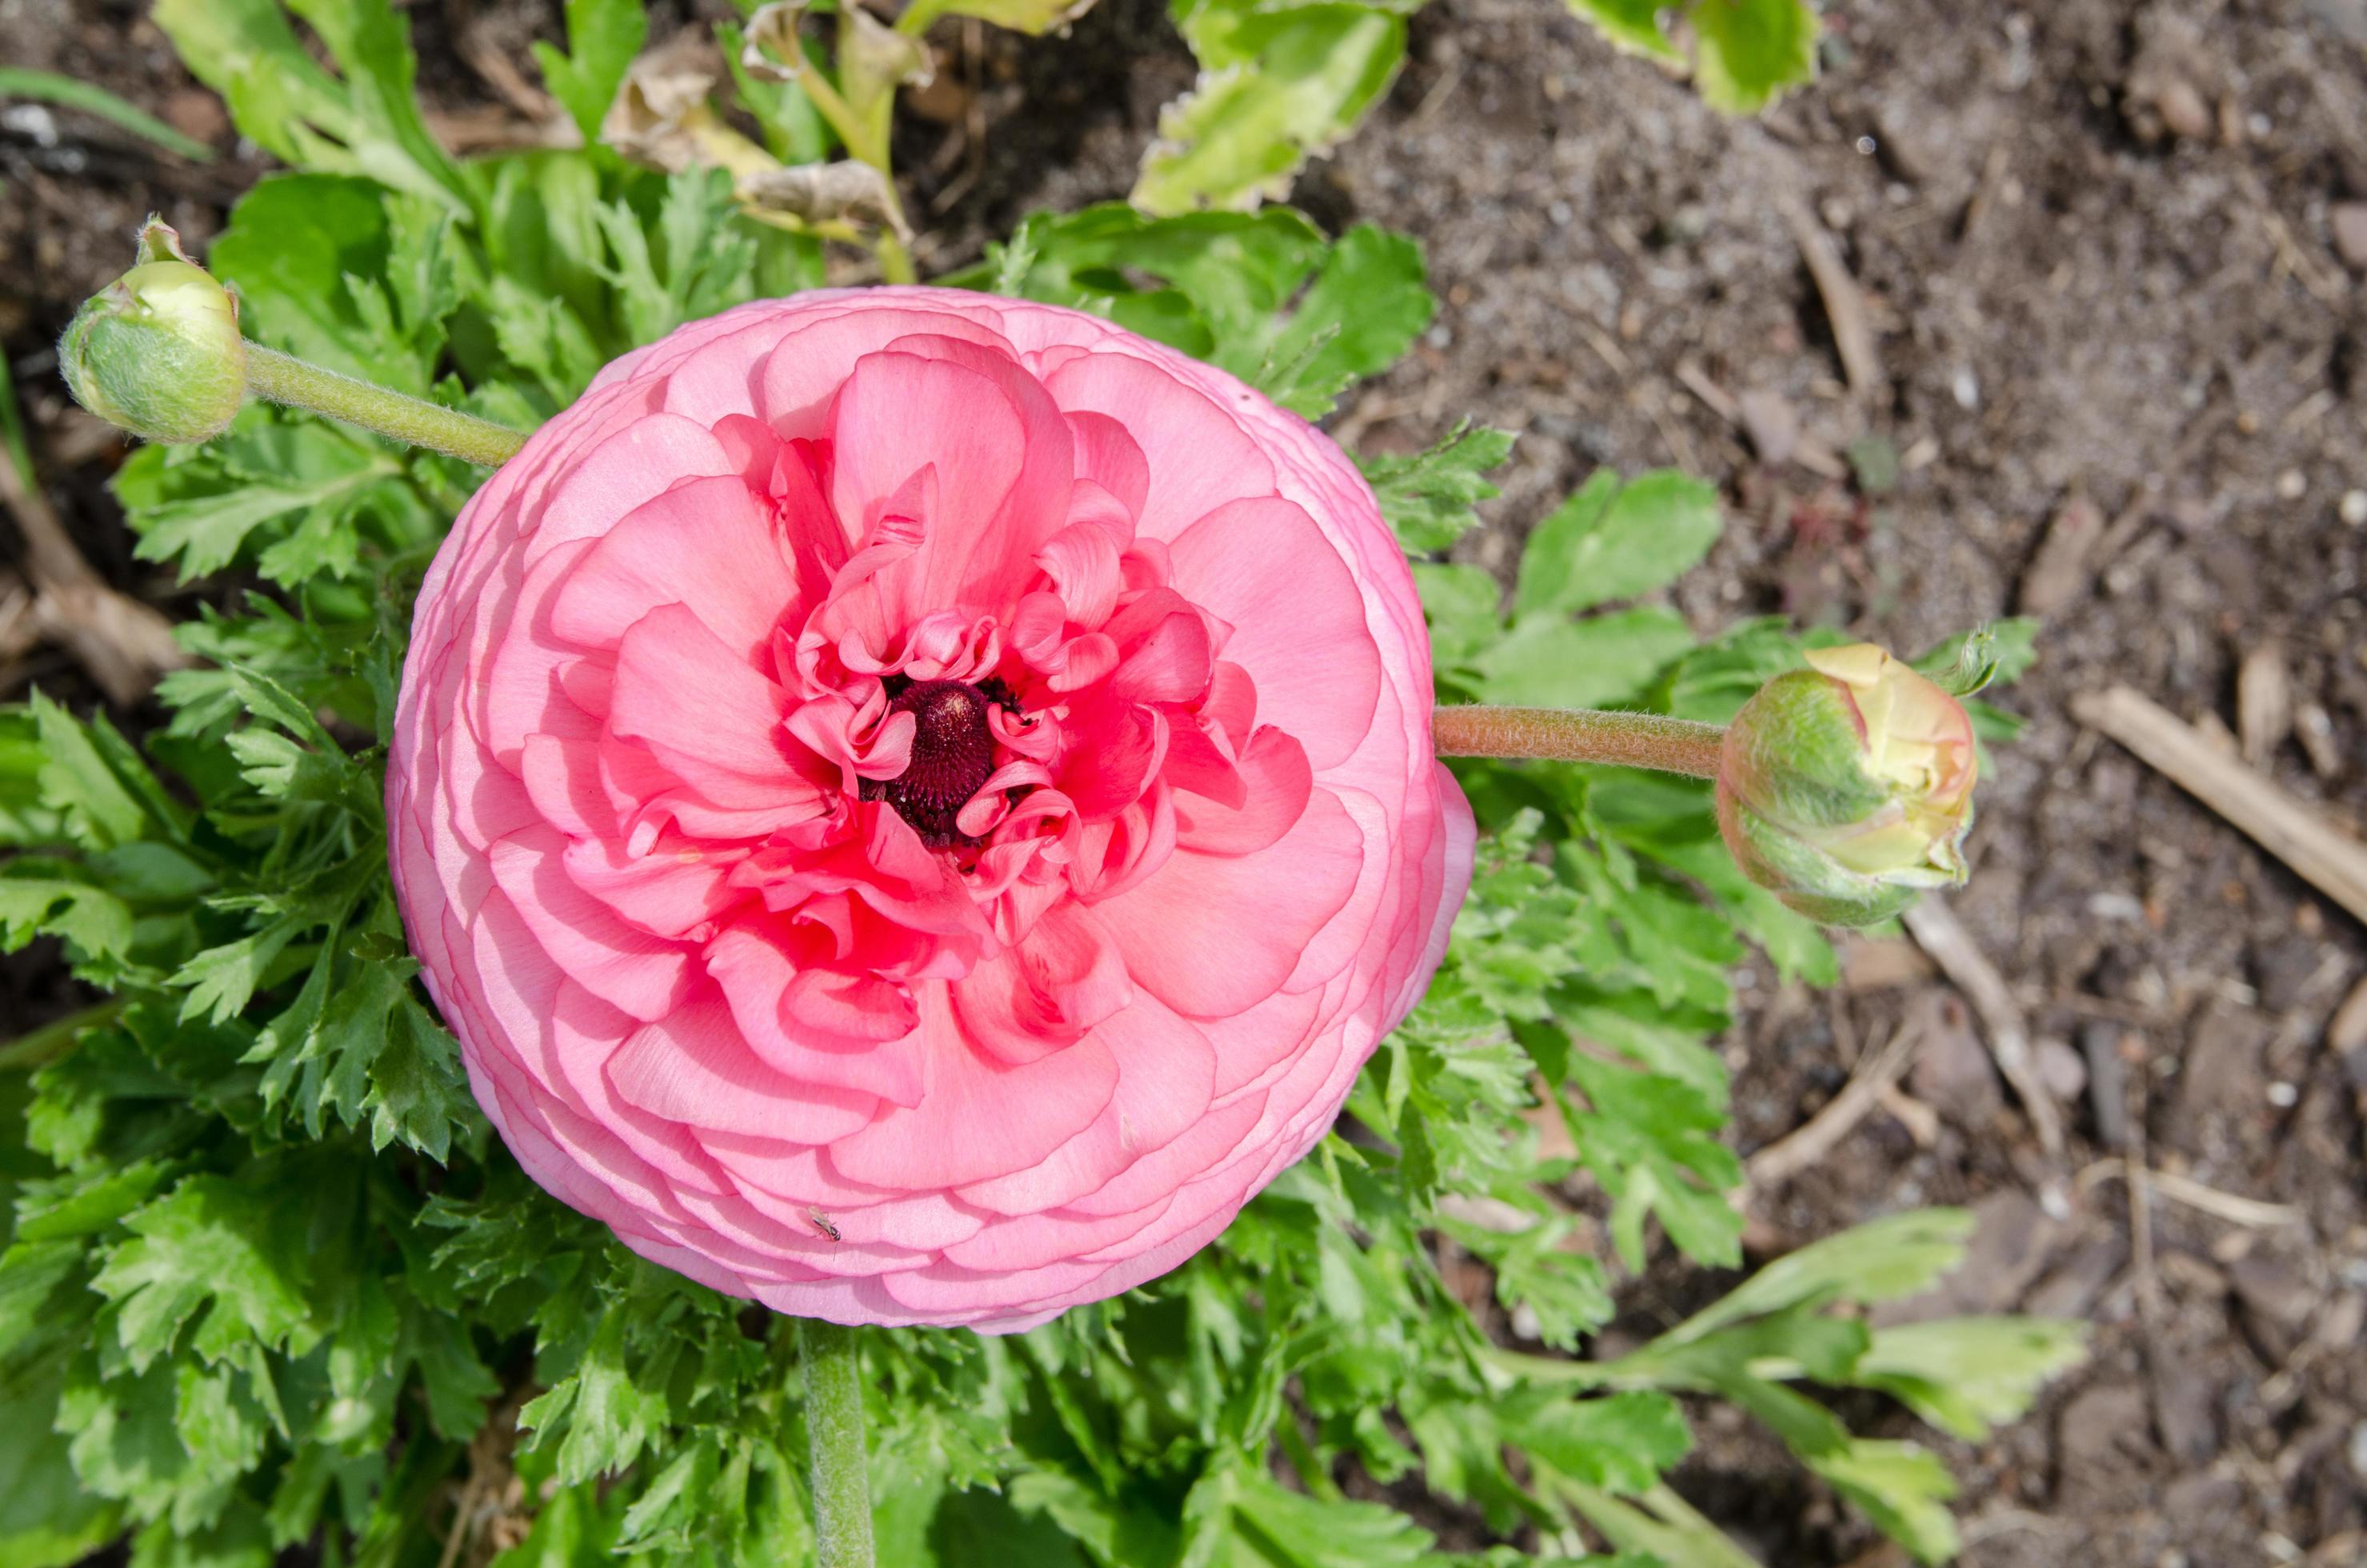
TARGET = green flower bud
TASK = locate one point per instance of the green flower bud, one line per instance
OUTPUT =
(158, 350)
(1846, 788)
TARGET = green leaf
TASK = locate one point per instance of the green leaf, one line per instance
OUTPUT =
(1748, 51)
(46, 1519)
(1428, 497)
(607, 1415)
(1621, 1442)
(213, 1247)
(1616, 541)
(416, 1092)
(602, 35)
(96, 922)
(1903, 1489)
(1461, 605)
(1604, 662)
(1031, 16)
(265, 471)
(1219, 289)
(1633, 25)
(1278, 87)
(1879, 1261)
(100, 807)
(364, 123)
(1292, 1531)
(1967, 1376)
(221, 981)
(1652, 1141)
(1366, 304)
(90, 98)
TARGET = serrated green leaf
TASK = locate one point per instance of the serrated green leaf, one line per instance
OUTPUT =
(46, 1520)
(99, 808)
(1602, 661)
(1879, 1261)
(1745, 52)
(602, 35)
(607, 1417)
(1278, 87)
(95, 921)
(1748, 51)
(1967, 1376)
(1902, 1488)
(366, 122)
(220, 982)
(1616, 541)
(213, 1247)
(1621, 1442)
(1633, 25)
(1428, 496)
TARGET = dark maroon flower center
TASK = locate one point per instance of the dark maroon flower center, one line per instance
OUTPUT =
(953, 754)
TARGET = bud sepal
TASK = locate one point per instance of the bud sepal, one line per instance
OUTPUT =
(158, 351)
(1846, 788)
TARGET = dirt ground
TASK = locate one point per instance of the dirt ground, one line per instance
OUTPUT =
(2120, 360)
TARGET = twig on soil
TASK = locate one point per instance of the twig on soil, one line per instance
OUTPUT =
(2333, 862)
(1844, 306)
(1788, 1156)
(1951, 947)
(2137, 1174)
(123, 643)
(2252, 1213)
(1922, 1123)
(1807, 451)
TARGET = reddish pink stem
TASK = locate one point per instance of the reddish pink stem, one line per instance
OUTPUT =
(1580, 735)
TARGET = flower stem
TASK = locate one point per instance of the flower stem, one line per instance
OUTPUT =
(283, 377)
(1580, 735)
(840, 1477)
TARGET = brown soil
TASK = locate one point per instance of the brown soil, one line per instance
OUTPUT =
(2094, 239)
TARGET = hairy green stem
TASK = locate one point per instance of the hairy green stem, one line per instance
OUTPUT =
(283, 377)
(1580, 735)
(840, 1475)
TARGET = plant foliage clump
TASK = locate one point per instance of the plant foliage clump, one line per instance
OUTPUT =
(267, 1279)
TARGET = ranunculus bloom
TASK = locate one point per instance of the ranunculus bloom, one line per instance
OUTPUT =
(917, 805)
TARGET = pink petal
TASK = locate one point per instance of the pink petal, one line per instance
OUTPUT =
(1166, 1071)
(1299, 620)
(708, 546)
(1210, 934)
(978, 1119)
(755, 972)
(644, 976)
(693, 1066)
(1197, 456)
(636, 464)
(1277, 783)
(713, 722)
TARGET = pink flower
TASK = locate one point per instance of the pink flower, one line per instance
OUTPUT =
(918, 805)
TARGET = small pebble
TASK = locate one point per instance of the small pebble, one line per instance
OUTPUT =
(2353, 509)
(2283, 1095)
(2293, 484)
